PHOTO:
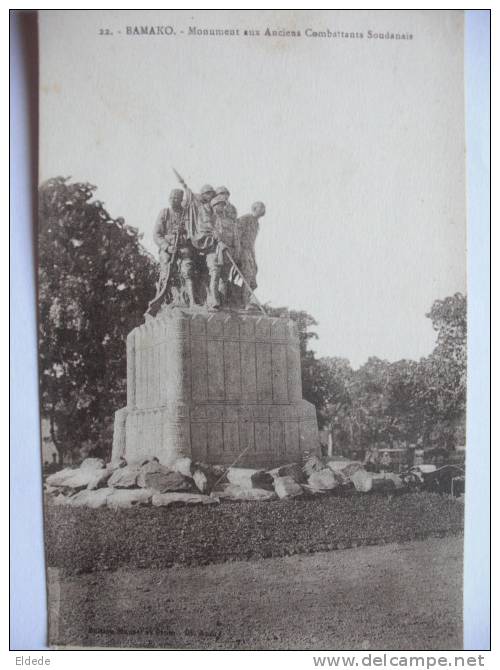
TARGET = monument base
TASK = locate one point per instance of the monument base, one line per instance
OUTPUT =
(217, 387)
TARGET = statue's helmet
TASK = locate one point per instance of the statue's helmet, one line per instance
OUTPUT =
(222, 190)
(207, 189)
(176, 193)
(218, 200)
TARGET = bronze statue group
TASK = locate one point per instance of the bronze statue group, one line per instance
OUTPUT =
(207, 253)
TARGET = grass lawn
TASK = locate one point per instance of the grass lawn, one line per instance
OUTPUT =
(81, 540)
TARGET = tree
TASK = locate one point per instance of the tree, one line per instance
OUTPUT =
(444, 373)
(95, 280)
(402, 401)
(336, 377)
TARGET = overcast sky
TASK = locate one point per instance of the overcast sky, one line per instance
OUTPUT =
(355, 145)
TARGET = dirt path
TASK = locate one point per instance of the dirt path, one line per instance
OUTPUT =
(396, 596)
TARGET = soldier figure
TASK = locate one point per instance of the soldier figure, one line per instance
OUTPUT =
(231, 210)
(168, 226)
(248, 228)
(218, 263)
(202, 234)
(201, 225)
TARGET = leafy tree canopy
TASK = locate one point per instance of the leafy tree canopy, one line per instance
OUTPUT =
(95, 280)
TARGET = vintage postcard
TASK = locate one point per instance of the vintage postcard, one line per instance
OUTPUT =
(252, 328)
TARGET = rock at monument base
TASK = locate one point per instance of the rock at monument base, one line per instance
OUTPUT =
(201, 481)
(163, 482)
(206, 477)
(398, 482)
(263, 480)
(59, 478)
(51, 490)
(74, 479)
(345, 474)
(292, 470)
(362, 481)
(241, 477)
(116, 464)
(91, 498)
(100, 479)
(149, 468)
(183, 466)
(313, 464)
(323, 480)
(124, 498)
(247, 478)
(165, 499)
(235, 492)
(124, 478)
(92, 464)
(339, 465)
(287, 487)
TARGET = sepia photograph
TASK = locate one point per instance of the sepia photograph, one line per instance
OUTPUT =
(252, 328)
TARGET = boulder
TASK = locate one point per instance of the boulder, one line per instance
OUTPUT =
(362, 480)
(117, 463)
(165, 499)
(124, 498)
(345, 475)
(247, 478)
(58, 478)
(313, 464)
(91, 498)
(201, 481)
(151, 467)
(396, 479)
(206, 477)
(241, 477)
(162, 482)
(184, 466)
(340, 464)
(292, 470)
(323, 480)
(92, 464)
(287, 487)
(263, 480)
(74, 479)
(124, 478)
(219, 471)
(51, 490)
(235, 492)
(100, 479)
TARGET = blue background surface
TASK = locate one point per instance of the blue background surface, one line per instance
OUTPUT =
(28, 596)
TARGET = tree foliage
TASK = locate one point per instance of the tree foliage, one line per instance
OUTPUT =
(95, 280)
(392, 402)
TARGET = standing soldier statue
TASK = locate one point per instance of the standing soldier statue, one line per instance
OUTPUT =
(176, 255)
(248, 229)
(228, 247)
(231, 210)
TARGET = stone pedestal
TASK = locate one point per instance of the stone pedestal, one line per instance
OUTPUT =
(212, 385)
